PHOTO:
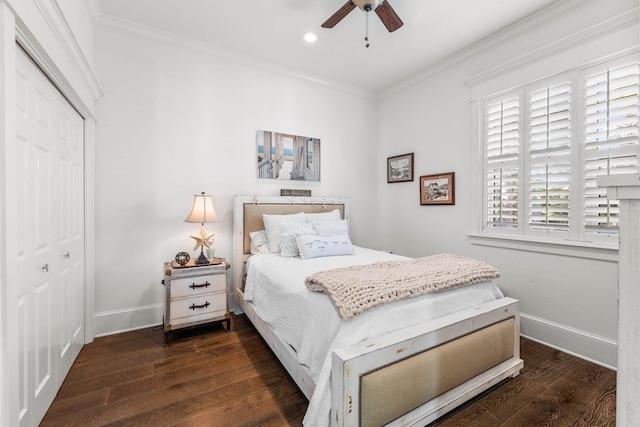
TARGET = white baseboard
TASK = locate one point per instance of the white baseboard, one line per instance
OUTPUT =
(594, 348)
(591, 347)
(129, 319)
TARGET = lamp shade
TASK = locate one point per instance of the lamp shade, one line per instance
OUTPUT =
(202, 210)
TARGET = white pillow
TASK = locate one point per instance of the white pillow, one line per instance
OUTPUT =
(288, 234)
(259, 242)
(272, 226)
(334, 215)
(320, 246)
(331, 228)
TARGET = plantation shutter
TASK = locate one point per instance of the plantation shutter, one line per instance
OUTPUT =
(550, 157)
(611, 140)
(502, 140)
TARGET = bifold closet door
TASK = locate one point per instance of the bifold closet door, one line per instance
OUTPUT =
(50, 228)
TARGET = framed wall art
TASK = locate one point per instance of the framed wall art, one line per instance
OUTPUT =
(438, 189)
(287, 157)
(400, 168)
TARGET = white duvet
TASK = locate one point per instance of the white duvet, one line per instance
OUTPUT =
(309, 322)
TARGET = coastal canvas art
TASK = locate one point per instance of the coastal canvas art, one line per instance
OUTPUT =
(287, 157)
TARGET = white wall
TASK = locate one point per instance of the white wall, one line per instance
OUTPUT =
(569, 302)
(176, 120)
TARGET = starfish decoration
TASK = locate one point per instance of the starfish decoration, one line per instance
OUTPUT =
(202, 240)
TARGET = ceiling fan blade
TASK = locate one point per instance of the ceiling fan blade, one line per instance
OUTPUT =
(388, 16)
(339, 15)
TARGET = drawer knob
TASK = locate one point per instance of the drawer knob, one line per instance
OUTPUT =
(205, 305)
(203, 285)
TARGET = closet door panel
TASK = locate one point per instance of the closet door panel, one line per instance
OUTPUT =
(23, 356)
(44, 376)
(71, 233)
(23, 237)
(50, 230)
(37, 177)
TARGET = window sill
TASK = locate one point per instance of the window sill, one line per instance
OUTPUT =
(591, 250)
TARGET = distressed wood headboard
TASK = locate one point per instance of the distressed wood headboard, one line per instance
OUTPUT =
(248, 211)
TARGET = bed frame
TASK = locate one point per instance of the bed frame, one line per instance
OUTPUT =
(408, 377)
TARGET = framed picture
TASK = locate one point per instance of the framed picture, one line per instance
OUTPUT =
(400, 168)
(287, 156)
(438, 189)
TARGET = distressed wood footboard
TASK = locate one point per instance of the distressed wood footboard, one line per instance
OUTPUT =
(299, 373)
(415, 375)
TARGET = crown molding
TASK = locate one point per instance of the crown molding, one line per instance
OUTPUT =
(217, 52)
(529, 24)
(609, 26)
(94, 10)
(52, 14)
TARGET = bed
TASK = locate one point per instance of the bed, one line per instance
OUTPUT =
(404, 363)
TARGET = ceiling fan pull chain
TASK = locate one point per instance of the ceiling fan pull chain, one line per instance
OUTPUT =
(366, 29)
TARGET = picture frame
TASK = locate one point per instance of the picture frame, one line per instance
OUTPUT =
(400, 168)
(287, 157)
(438, 189)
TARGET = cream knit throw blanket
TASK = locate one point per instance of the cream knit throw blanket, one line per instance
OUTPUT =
(359, 288)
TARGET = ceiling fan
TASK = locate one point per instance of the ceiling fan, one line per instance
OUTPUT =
(382, 8)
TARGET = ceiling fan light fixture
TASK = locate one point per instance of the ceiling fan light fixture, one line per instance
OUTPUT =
(368, 5)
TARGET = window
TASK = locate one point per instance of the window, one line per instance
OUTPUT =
(546, 144)
(610, 141)
(549, 149)
(502, 145)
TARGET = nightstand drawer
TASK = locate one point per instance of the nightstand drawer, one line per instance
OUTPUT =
(192, 286)
(195, 307)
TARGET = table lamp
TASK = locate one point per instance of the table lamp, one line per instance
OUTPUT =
(202, 211)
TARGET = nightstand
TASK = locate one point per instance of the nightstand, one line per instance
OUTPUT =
(195, 295)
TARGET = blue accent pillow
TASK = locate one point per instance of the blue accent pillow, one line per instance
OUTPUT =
(288, 234)
(320, 246)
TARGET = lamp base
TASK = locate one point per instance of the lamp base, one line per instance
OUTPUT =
(202, 260)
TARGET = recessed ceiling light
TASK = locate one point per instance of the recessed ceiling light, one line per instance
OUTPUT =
(310, 37)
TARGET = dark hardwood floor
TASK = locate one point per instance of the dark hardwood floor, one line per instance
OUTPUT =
(207, 377)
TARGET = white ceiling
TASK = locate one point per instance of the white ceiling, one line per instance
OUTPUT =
(270, 32)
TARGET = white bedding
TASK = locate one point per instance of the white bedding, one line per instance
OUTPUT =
(309, 322)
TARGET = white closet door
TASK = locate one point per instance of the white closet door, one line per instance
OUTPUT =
(71, 235)
(50, 229)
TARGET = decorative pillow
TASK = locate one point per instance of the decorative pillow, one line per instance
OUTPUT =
(288, 234)
(334, 215)
(272, 226)
(331, 228)
(259, 242)
(319, 246)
